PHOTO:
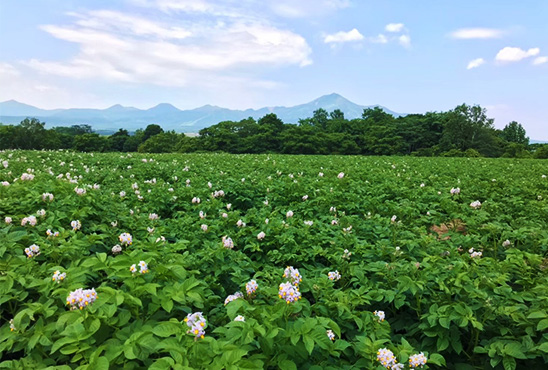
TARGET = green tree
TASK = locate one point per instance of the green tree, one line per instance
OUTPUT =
(90, 143)
(117, 140)
(515, 133)
(152, 130)
(164, 142)
(29, 134)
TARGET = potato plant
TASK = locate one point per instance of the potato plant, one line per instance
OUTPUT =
(267, 261)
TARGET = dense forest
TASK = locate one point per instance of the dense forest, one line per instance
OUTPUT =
(464, 131)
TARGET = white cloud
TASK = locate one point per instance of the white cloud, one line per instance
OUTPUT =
(475, 63)
(540, 60)
(305, 8)
(394, 27)
(120, 47)
(352, 35)
(379, 39)
(512, 54)
(405, 41)
(7, 69)
(477, 33)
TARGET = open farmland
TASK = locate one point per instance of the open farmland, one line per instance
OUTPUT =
(441, 256)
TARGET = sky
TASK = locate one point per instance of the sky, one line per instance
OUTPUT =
(409, 56)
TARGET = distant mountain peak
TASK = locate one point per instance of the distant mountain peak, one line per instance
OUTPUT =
(172, 118)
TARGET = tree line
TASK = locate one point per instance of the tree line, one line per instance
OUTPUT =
(464, 131)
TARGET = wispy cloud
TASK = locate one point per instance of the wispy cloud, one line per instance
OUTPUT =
(475, 63)
(513, 54)
(405, 41)
(121, 47)
(352, 35)
(540, 60)
(477, 33)
(394, 27)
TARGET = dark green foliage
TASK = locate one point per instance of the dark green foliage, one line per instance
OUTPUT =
(464, 131)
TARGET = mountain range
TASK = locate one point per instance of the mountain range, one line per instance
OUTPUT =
(170, 117)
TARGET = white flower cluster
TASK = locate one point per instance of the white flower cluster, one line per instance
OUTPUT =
(227, 242)
(58, 276)
(333, 275)
(28, 220)
(196, 200)
(116, 249)
(475, 204)
(261, 235)
(387, 359)
(417, 360)
(251, 287)
(125, 239)
(380, 315)
(32, 251)
(218, 194)
(47, 197)
(76, 225)
(331, 335)
(153, 216)
(293, 274)
(51, 233)
(27, 177)
(455, 191)
(81, 298)
(197, 324)
(80, 191)
(143, 268)
(474, 254)
(233, 297)
(289, 292)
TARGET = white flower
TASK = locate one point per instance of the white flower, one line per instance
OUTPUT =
(380, 315)
(224, 215)
(240, 223)
(308, 223)
(261, 235)
(202, 215)
(422, 185)
(228, 206)
(289, 214)
(41, 212)
(125, 239)
(239, 318)
(417, 360)
(340, 175)
(320, 174)
(204, 227)
(455, 191)
(8, 220)
(393, 219)
(76, 225)
(227, 242)
(506, 243)
(334, 275)
(5, 183)
(153, 216)
(58, 276)
(196, 200)
(116, 249)
(305, 197)
(475, 204)
(331, 335)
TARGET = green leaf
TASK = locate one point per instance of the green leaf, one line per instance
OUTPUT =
(543, 347)
(542, 324)
(287, 365)
(514, 349)
(167, 304)
(102, 257)
(436, 359)
(101, 363)
(509, 363)
(537, 315)
(166, 329)
(308, 344)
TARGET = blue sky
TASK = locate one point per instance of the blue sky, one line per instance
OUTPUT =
(410, 56)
